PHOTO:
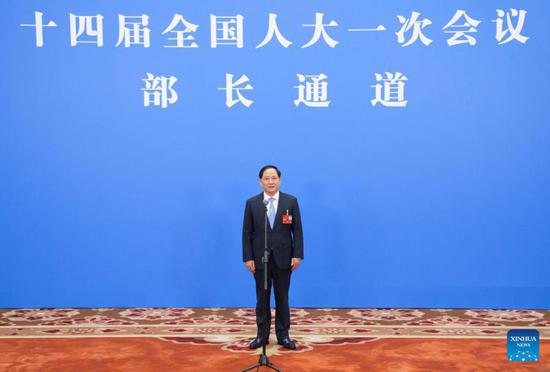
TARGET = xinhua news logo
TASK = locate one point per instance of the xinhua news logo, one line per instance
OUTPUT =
(523, 345)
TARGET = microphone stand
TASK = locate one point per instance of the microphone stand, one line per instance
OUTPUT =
(264, 360)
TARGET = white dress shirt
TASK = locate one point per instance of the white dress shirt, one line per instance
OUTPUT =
(275, 201)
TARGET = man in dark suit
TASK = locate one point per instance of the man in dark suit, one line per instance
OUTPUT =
(286, 247)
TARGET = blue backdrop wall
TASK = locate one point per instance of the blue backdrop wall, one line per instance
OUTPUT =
(442, 203)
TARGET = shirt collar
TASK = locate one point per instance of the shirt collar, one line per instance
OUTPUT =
(276, 196)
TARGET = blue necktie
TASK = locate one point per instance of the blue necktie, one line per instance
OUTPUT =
(271, 211)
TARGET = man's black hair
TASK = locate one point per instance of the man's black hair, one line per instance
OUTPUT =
(266, 167)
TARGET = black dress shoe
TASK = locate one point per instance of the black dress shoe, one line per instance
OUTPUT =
(256, 343)
(287, 343)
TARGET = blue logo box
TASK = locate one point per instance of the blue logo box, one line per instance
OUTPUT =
(523, 345)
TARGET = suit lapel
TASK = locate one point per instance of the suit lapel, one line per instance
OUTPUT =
(261, 209)
(260, 203)
(281, 208)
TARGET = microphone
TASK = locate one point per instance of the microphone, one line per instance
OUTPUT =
(266, 202)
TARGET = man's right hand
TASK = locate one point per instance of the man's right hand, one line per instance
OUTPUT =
(250, 266)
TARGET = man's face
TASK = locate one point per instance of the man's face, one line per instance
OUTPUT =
(270, 181)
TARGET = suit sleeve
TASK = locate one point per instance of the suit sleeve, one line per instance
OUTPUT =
(297, 236)
(248, 226)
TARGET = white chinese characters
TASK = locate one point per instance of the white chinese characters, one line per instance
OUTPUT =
(158, 91)
(233, 89)
(133, 30)
(461, 32)
(39, 28)
(312, 90)
(228, 30)
(183, 38)
(91, 26)
(414, 25)
(513, 31)
(390, 91)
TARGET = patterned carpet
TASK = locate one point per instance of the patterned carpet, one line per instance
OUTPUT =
(224, 333)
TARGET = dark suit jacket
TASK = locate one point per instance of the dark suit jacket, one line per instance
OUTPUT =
(286, 241)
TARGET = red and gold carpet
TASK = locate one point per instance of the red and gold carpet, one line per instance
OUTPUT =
(216, 339)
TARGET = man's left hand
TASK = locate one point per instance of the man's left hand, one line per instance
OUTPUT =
(295, 263)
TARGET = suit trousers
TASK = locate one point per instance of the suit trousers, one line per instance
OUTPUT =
(280, 280)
